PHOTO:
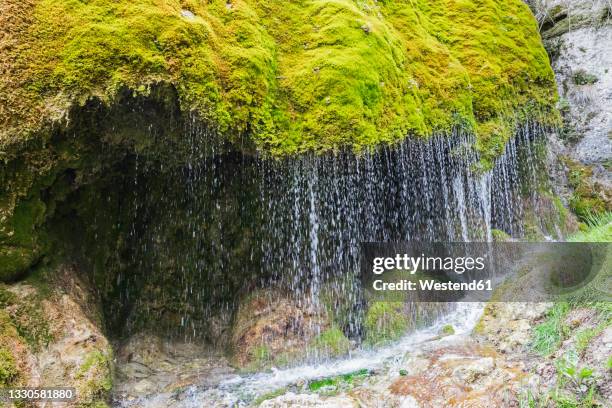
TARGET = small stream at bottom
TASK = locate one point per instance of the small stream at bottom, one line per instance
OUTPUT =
(236, 390)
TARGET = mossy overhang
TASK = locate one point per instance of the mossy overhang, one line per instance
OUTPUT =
(287, 77)
(293, 76)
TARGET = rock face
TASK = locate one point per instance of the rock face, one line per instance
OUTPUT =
(148, 365)
(270, 328)
(54, 340)
(578, 37)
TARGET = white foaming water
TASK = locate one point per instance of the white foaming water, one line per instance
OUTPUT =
(241, 390)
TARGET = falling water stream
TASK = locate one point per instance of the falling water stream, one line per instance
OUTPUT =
(228, 223)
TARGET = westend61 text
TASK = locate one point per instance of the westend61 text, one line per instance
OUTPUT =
(431, 284)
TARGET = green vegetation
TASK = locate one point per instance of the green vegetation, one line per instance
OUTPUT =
(576, 385)
(332, 342)
(26, 315)
(589, 198)
(280, 77)
(261, 358)
(8, 368)
(385, 321)
(21, 246)
(269, 395)
(500, 236)
(261, 354)
(547, 336)
(581, 77)
(311, 75)
(334, 384)
(577, 379)
(584, 336)
(599, 229)
(95, 378)
(447, 330)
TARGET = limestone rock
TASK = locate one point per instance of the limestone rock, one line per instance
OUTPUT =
(58, 343)
(474, 370)
(459, 375)
(578, 36)
(270, 327)
(309, 400)
(508, 325)
(150, 365)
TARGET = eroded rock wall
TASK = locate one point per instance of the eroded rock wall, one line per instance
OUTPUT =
(578, 37)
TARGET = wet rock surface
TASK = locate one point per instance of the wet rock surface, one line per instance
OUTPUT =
(149, 366)
(494, 366)
(55, 339)
(270, 327)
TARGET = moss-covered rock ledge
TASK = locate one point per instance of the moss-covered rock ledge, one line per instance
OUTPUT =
(293, 75)
(84, 83)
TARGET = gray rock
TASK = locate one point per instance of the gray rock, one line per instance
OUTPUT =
(578, 36)
(187, 14)
(472, 371)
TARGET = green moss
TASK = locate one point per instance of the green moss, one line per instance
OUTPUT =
(589, 198)
(333, 384)
(562, 212)
(262, 358)
(14, 261)
(281, 77)
(8, 368)
(332, 342)
(447, 330)
(26, 314)
(19, 245)
(581, 77)
(311, 75)
(500, 236)
(261, 354)
(385, 321)
(94, 379)
(270, 395)
(10, 374)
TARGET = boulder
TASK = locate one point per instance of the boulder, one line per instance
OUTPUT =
(272, 328)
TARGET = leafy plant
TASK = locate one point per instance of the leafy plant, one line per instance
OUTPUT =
(581, 77)
(573, 376)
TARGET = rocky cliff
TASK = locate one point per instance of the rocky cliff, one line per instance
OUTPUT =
(578, 36)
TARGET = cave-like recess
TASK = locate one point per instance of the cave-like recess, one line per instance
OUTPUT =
(174, 227)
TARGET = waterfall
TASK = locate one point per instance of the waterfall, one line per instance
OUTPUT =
(228, 222)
